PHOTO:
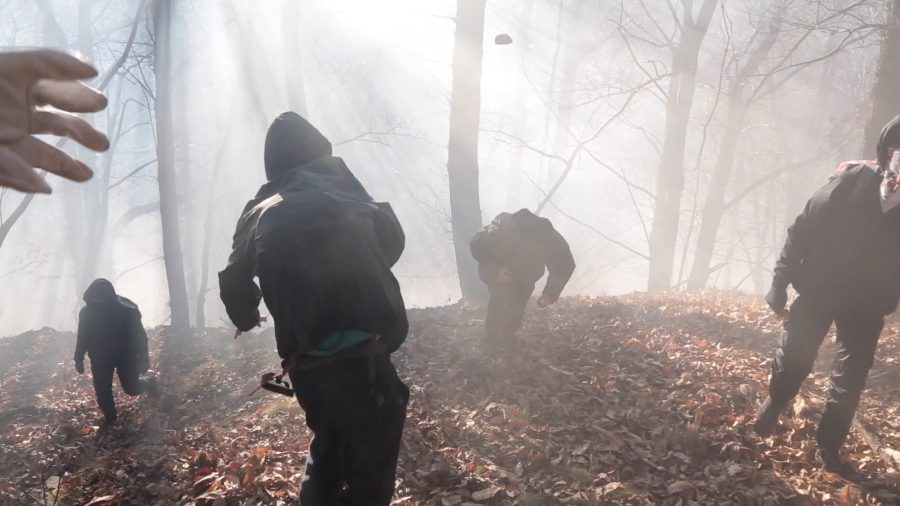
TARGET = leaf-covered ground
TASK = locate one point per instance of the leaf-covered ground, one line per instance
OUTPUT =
(616, 400)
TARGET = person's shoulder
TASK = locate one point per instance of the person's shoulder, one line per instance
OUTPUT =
(501, 218)
(855, 173)
(855, 168)
(533, 221)
(334, 161)
(129, 305)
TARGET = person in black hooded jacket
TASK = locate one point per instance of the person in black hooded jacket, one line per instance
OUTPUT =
(841, 256)
(513, 252)
(110, 332)
(323, 251)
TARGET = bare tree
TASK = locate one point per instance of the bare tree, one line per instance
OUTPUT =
(462, 163)
(53, 33)
(165, 154)
(713, 208)
(758, 75)
(885, 99)
(684, 47)
(293, 57)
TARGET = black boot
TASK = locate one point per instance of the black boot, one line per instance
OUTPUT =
(831, 461)
(767, 417)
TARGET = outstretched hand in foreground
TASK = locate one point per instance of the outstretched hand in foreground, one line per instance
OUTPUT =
(30, 80)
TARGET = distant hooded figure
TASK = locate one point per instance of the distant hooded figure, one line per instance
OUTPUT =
(513, 252)
(323, 251)
(110, 332)
(842, 256)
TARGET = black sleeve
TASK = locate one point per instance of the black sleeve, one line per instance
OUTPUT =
(481, 246)
(799, 234)
(139, 339)
(560, 264)
(793, 252)
(389, 232)
(81, 344)
(238, 291)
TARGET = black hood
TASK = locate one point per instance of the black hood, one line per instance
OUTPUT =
(291, 142)
(101, 291)
(890, 136)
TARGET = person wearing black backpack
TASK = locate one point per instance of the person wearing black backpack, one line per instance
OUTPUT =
(110, 332)
(513, 252)
(841, 255)
(323, 249)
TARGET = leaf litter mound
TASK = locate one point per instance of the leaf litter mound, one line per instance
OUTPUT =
(636, 399)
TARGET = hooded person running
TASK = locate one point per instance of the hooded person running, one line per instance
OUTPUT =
(841, 256)
(110, 332)
(323, 249)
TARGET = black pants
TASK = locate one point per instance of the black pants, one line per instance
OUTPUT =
(102, 372)
(506, 309)
(355, 409)
(857, 339)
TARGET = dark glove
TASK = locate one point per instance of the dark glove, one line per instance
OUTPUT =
(777, 298)
(79, 366)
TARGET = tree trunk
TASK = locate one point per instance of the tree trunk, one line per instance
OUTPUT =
(714, 206)
(573, 60)
(758, 272)
(74, 197)
(462, 163)
(209, 224)
(293, 68)
(165, 154)
(192, 214)
(885, 99)
(203, 287)
(670, 182)
(544, 179)
(94, 193)
(525, 10)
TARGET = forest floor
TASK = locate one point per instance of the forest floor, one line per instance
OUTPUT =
(614, 400)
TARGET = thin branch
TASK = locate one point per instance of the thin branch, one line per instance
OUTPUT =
(600, 233)
(134, 213)
(765, 178)
(136, 267)
(132, 173)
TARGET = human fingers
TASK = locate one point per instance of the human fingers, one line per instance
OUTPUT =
(52, 159)
(68, 125)
(18, 174)
(10, 134)
(72, 96)
(47, 64)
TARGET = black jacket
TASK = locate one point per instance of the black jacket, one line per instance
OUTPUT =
(842, 250)
(525, 244)
(110, 329)
(314, 287)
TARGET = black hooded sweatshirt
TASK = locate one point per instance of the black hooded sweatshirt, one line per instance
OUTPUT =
(527, 245)
(843, 251)
(335, 281)
(110, 329)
